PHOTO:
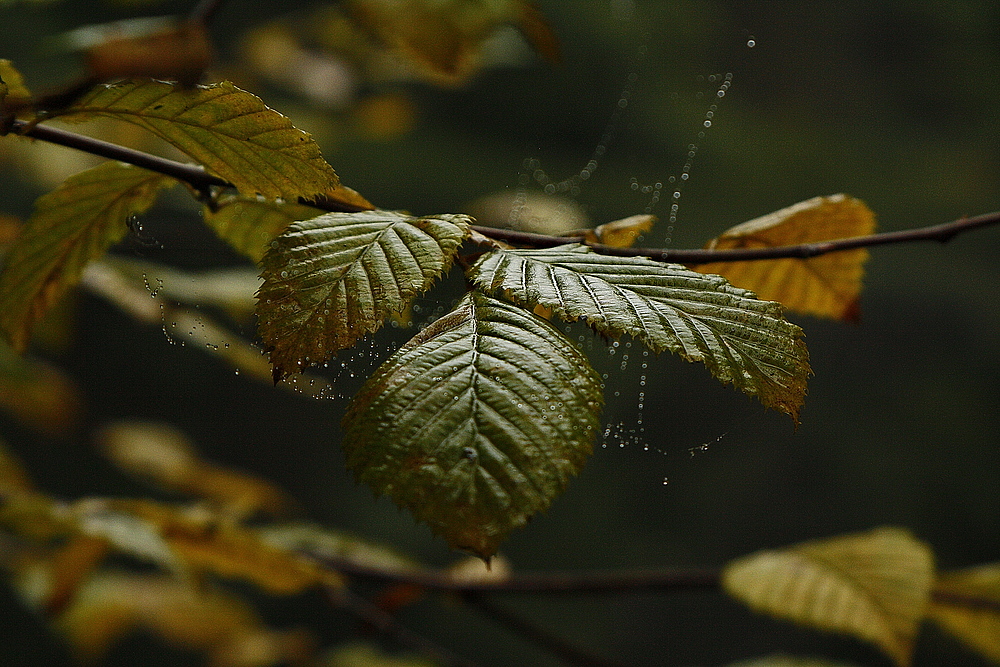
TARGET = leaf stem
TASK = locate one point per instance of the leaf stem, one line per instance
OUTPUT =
(201, 180)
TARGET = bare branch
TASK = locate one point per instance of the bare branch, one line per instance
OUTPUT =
(202, 180)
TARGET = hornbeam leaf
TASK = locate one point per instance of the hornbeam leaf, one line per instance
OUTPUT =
(73, 224)
(249, 224)
(741, 339)
(824, 286)
(332, 279)
(967, 604)
(227, 130)
(477, 423)
(874, 586)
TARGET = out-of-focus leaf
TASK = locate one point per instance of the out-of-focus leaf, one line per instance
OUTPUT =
(69, 567)
(14, 95)
(530, 212)
(966, 603)
(158, 48)
(874, 586)
(13, 477)
(227, 130)
(37, 394)
(330, 280)
(164, 456)
(700, 317)
(112, 604)
(357, 654)
(620, 233)
(250, 224)
(789, 661)
(443, 39)
(825, 286)
(195, 541)
(320, 543)
(477, 423)
(73, 224)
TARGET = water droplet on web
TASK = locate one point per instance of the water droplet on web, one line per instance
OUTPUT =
(751, 42)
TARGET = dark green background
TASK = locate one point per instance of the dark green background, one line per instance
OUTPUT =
(894, 103)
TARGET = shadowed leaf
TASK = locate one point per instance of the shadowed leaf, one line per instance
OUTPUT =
(703, 318)
(620, 233)
(873, 585)
(825, 286)
(330, 280)
(250, 224)
(227, 130)
(966, 603)
(477, 423)
(73, 224)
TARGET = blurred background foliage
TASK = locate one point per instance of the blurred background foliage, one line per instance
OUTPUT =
(895, 103)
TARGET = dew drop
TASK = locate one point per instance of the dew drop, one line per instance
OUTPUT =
(751, 43)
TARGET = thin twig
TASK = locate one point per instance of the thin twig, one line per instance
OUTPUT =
(674, 580)
(557, 646)
(202, 180)
(387, 625)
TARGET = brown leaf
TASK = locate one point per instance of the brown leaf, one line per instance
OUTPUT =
(620, 233)
(824, 286)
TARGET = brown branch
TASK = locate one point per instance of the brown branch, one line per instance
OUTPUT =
(203, 181)
(673, 580)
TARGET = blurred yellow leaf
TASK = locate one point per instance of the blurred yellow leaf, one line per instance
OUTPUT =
(620, 233)
(164, 456)
(198, 541)
(14, 95)
(443, 39)
(357, 654)
(69, 567)
(13, 477)
(966, 603)
(113, 603)
(37, 394)
(158, 48)
(249, 224)
(874, 586)
(824, 286)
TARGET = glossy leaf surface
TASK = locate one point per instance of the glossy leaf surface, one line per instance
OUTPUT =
(477, 423)
(227, 130)
(873, 585)
(330, 280)
(73, 224)
(703, 318)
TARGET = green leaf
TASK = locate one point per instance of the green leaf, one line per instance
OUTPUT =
(227, 130)
(73, 224)
(741, 339)
(249, 224)
(966, 603)
(477, 423)
(330, 280)
(874, 586)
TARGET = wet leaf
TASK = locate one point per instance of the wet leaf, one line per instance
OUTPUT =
(163, 455)
(703, 318)
(874, 586)
(825, 286)
(73, 224)
(477, 423)
(966, 603)
(113, 604)
(227, 130)
(443, 39)
(330, 280)
(621, 233)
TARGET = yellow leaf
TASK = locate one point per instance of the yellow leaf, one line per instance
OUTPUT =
(114, 603)
(620, 233)
(443, 39)
(14, 95)
(73, 224)
(249, 224)
(227, 130)
(824, 286)
(197, 541)
(967, 604)
(874, 586)
(37, 394)
(163, 455)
